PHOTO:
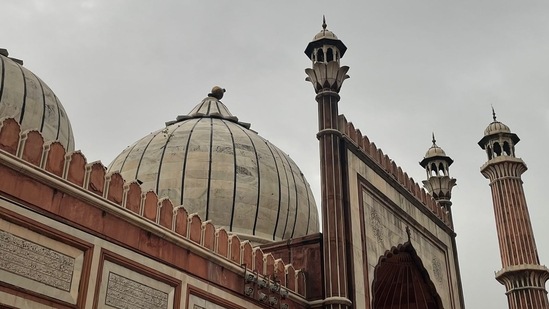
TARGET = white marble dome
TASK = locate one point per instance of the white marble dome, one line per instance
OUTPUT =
(26, 98)
(214, 165)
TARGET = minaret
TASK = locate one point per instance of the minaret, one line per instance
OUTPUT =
(524, 278)
(439, 184)
(327, 76)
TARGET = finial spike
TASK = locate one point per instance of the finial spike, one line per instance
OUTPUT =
(434, 140)
(408, 233)
(324, 23)
(493, 113)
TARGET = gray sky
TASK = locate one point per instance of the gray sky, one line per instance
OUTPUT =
(123, 68)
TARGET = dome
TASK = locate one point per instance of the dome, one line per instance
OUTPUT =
(435, 151)
(325, 34)
(496, 127)
(26, 98)
(214, 165)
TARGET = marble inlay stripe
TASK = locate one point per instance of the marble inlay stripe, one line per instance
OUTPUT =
(233, 205)
(258, 179)
(24, 96)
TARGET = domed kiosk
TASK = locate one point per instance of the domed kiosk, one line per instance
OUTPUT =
(498, 139)
(26, 98)
(214, 165)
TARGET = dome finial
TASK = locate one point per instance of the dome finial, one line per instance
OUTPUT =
(324, 23)
(434, 140)
(217, 92)
(493, 113)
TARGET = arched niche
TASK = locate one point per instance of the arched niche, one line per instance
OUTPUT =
(401, 281)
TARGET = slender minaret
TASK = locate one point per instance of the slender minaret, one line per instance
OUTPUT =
(439, 183)
(327, 76)
(523, 276)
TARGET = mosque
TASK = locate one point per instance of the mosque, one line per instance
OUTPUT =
(205, 213)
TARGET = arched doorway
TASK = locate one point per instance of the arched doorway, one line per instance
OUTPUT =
(401, 281)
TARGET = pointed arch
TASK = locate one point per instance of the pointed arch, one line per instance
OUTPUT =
(441, 169)
(401, 281)
(330, 55)
(507, 149)
(497, 149)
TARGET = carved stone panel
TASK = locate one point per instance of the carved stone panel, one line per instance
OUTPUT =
(35, 262)
(38, 263)
(124, 288)
(123, 293)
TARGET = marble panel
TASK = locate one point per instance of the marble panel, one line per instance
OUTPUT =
(125, 288)
(38, 263)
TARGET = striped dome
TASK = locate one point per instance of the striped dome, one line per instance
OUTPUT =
(215, 166)
(496, 127)
(26, 98)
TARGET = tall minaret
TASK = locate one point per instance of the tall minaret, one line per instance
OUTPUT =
(327, 76)
(439, 183)
(524, 278)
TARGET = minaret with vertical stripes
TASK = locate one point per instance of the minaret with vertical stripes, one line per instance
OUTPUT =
(327, 76)
(523, 276)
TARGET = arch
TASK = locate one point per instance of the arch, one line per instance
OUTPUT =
(329, 55)
(434, 170)
(320, 55)
(401, 281)
(506, 149)
(441, 169)
(497, 149)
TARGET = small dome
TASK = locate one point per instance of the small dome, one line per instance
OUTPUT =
(26, 98)
(325, 34)
(214, 165)
(496, 127)
(435, 151)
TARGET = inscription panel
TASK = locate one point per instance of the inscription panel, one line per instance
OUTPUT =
(35, 262)
(126, 293)
(38, 263)
(124, 288)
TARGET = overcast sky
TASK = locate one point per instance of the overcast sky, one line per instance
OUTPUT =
(123, 68)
